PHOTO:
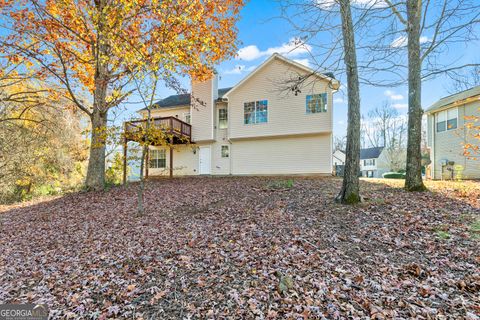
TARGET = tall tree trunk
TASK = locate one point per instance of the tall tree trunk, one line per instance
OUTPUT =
(96, 162)
(350, 192)
(413, 179)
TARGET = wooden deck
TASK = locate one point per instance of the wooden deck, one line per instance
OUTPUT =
(164, 131)
(176, 130)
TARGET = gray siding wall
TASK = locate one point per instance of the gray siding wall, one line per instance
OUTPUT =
(449, 144)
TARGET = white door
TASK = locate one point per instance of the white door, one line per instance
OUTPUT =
(204, 156)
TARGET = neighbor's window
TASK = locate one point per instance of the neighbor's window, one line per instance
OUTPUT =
(187, 117)
(447, 120)
(255, 112)
(316, 103)
(158, 159)
(222, 118)
(369, 162)
(225, 152)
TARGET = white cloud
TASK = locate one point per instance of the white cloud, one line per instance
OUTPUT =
(338, 100)
(400, 106)
(238, 69)
(402, 41)
(294, 48)
(393, 95)
(341, 122)
(305, 62)
(249, 53)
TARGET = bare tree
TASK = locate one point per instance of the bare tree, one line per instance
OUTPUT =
(412, 48)
(339, 143)
(333, 19)
(385, 127)
(465, 80)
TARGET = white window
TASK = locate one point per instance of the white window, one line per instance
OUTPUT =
(316, 103)
(255, 112)
(225, 152)
(369, 162)
(447, 120)
(187, 117)
(222, 118)
(158, 159)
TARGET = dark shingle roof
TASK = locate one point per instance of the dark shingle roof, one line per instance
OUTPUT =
(175, 100)
(178, 100)
(221, 92)
(370, 153)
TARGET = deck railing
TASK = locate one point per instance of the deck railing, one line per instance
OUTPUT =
(170, 125)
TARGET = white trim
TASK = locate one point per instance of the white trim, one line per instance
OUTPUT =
(280, 57)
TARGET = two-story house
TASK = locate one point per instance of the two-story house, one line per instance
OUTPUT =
(254, 128)
(448, 133)
(373, 162)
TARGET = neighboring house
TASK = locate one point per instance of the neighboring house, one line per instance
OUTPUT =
(447, 135)
(338, 158)
(373, 162)
(254, 128)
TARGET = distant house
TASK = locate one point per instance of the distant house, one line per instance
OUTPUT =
(338, 158)
(253, 128)
(447, 135)
(373, 162)
(338, 161)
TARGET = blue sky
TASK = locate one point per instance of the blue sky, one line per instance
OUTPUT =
(262, 32)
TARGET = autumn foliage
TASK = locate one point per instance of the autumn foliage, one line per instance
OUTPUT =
(93, 49)
(471, 148)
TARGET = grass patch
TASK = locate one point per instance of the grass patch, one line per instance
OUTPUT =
(444, 235)
(475, 229)
(280, 184)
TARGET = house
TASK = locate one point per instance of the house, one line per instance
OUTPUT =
(373, 162)
(338, 158)
(254, 128)
(447, 134)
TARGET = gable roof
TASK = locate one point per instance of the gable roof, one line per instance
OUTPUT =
(370, 153)
(180, 100)
(327, 76)
(454, 99)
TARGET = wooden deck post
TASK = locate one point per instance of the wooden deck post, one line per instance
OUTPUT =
(125, 144)
(147, 162)
(171, 162)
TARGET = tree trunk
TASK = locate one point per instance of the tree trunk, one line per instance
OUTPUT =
(413, 179)
(350, 192)
(96, 162)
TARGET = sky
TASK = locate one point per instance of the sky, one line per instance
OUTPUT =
(262, 32)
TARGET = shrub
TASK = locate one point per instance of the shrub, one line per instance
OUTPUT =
(393, 175)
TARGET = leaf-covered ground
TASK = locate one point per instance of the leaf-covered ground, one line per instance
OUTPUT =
(246, 248)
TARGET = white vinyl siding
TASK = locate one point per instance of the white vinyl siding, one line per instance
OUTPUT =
(288, 155)
(448, 145)
(286, 111)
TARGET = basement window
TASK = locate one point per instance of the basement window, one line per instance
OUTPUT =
(158, 159)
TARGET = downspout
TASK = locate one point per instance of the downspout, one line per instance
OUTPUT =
(230, 153)
(433, 145)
